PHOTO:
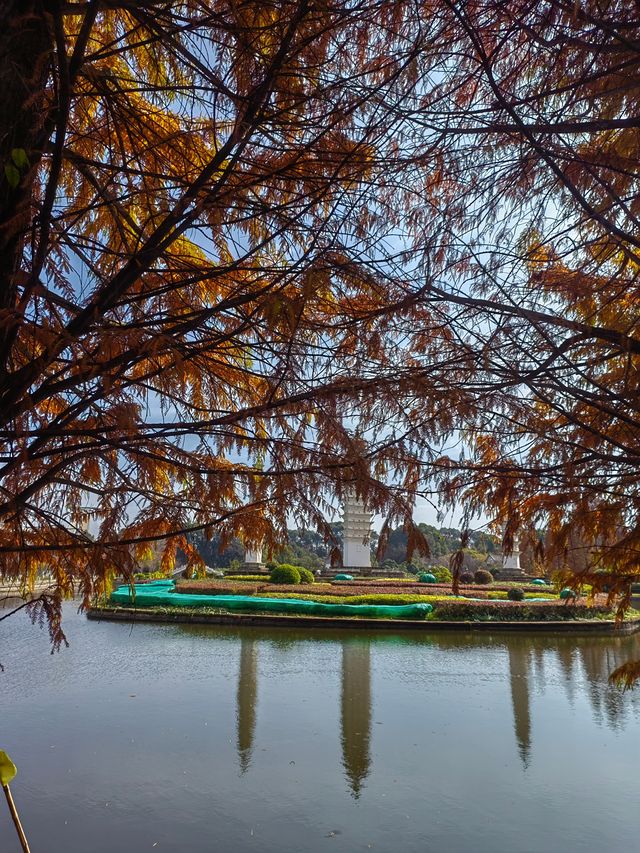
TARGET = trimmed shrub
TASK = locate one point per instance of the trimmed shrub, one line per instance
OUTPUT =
(442, 573)
(270, 566)
(306, 576)
(285, 574)
(427, 577)
(483, 576)
(515, 594)
(466, 578)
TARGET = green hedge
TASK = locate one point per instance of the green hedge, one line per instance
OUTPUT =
(221, 587)
(243, 578)
(285, 573)
(516, 611)
(357, 599)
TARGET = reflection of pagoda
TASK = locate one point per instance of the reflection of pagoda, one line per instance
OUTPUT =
(247, 701)
(355, 712)
(519, 679)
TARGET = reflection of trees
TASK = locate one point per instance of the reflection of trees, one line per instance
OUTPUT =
(581, 665)
(247, 700)
(577, 665)
(356, 711)
(598, 660)
(565, 654)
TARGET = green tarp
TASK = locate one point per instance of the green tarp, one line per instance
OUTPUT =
(163, 594)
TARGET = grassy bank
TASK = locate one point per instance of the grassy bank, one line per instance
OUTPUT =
(445, 608)
(527, 622)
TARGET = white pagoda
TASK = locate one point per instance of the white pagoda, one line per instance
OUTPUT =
(511, 567)
(253, 564)
(356, 550)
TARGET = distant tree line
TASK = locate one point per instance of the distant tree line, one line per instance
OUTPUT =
(307, 547)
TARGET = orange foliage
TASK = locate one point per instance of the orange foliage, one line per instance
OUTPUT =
(254, 252)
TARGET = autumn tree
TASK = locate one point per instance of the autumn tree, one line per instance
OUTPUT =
(254, 251)
(539, 121)
(208, 320)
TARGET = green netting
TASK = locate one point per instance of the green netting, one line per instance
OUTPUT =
(343, 577)
(427, 577)
(162, 594)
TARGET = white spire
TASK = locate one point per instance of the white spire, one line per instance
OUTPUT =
(511, 559)
(356, 552)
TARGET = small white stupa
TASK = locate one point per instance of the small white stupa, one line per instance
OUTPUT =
(511, 567)
(253, 564)
(356, 549)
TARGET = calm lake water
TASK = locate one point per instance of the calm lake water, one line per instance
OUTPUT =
(207, 740)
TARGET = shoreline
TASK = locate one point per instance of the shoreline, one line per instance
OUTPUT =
(577, 626)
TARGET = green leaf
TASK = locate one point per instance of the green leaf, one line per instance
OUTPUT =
(12, 175)
(7, 768)
(20, 159)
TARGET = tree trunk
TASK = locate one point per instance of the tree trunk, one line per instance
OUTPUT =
(26, 47)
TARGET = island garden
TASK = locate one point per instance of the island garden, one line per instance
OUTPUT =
(480, 600)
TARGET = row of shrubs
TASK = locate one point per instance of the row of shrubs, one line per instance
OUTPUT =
(280, 575)
(415, 591)
(362, 586)
(393, 600)
(504, 611)
(287, 574)
(447, 608)
(336, 592)
(216, 587)
(382, 598)
(480, 577)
